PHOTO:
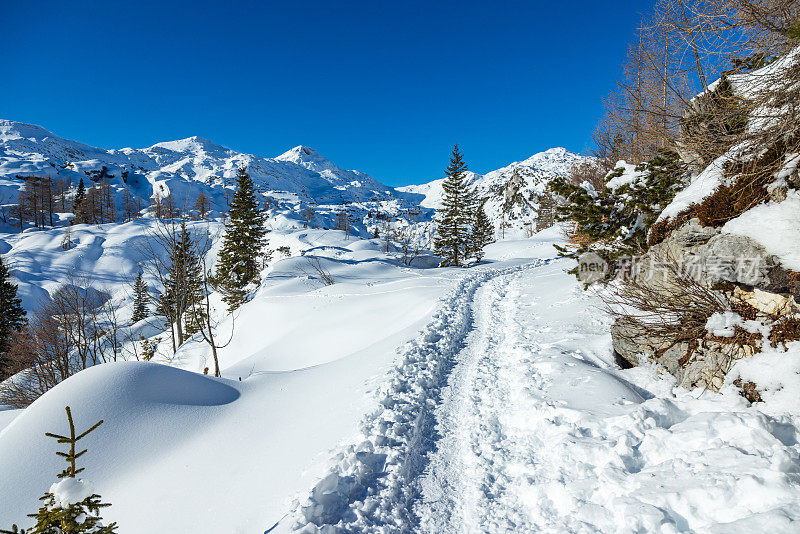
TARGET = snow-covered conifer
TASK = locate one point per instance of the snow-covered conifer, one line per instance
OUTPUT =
(241, 247)
(453, 234)
(482, 232)
(70, 505)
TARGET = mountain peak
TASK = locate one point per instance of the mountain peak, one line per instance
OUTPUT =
(308, 158)
(300, 153)
(19, 130)
(192, 144)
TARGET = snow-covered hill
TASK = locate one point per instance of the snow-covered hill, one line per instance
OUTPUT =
(518, 186)
(405, 399)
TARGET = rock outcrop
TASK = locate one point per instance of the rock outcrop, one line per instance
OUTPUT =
(748, 279)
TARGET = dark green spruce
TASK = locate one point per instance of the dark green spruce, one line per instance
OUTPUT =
(12, 317)
(482, 232)
(141, 298)
(453, 242)
(238, 263)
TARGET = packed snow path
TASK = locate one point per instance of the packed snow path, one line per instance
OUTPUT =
(508, 415)
(505, 411)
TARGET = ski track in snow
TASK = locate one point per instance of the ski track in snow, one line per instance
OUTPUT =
(506, 416)
(374, 484)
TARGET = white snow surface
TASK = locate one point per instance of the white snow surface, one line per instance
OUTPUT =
(534, 429)
(724, 325)
(776, 226)
(70, 490)
(416, 399)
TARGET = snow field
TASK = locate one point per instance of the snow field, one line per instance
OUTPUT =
(209, 455)
(492, 404)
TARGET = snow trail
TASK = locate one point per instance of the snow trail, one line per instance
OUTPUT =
(509, 415)
(374, 483)
(540, 432)
(484, 474)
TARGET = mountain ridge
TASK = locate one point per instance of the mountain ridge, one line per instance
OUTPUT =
(298, 179)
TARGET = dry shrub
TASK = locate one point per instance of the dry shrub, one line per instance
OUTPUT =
(746, 311)
(740, 338)
(314, 262)
(671, 312)
(748, 390)
(575, 237)
(748, 189)
(660, 230)
(785, 330)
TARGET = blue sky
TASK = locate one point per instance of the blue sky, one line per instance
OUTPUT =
(386, 88)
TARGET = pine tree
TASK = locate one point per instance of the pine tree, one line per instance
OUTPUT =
(482, 232)
(140, 299)
(59, 515)
(241, 247)
(453, 234)
(79, 196)
(12, 316)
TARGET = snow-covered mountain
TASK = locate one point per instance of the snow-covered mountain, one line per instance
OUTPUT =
(182, 168)
(518, 186)
(294, 181)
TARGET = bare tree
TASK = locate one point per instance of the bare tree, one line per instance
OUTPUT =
(202, 205)
(203, 314)
(313, 261)
(308, 216)
(73, 330)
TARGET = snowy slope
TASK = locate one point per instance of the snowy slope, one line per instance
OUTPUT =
(497, 187)
(107, 256)
(479, 400)
(208, 455)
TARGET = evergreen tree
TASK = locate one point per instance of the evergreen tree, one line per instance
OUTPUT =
(453, 234)
(482, 232)
(79, 196)
(59, 515)
(241, 247)
(12, 316)
(615, 221)
(140, 299)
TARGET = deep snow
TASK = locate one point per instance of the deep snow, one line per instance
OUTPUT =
(414, 398)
